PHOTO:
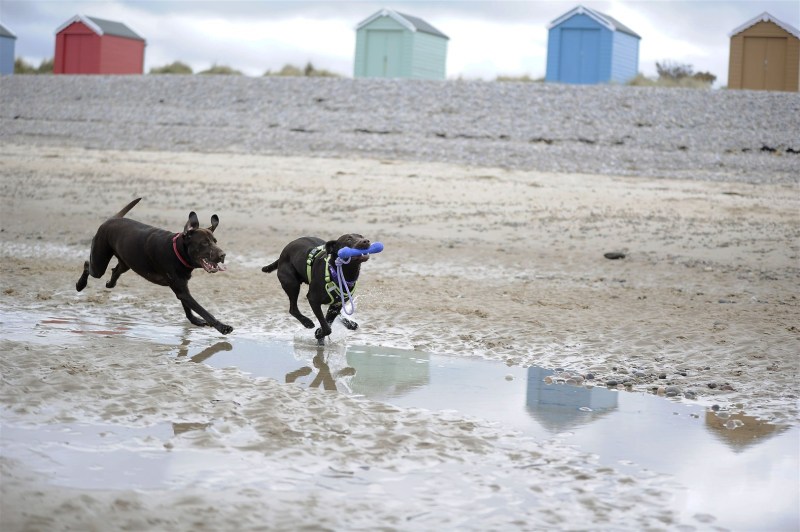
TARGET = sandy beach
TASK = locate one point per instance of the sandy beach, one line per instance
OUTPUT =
(480, 262)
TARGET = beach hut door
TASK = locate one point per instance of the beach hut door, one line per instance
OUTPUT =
(579, 55)
(384, 53)
(77, 50)
(764, 63)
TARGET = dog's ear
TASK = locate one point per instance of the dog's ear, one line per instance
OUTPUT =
(331, 247)
(192, 224)
(214, 222)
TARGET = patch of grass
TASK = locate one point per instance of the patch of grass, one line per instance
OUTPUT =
(176, 67)
(308, 71)
(222, 70)
(525, 78)
(23, 67)
(672, 74)
(685, 83)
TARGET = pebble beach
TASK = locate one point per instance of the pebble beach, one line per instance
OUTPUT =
(741, 136)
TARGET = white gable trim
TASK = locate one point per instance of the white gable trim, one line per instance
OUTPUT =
(82, 19)
(766, 17)
(580, 10)
(388, 13)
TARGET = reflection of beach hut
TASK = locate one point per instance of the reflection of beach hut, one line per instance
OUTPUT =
(89, 45)
(764, 55)
(382, 373)
(586, 47)
(740, 431)
(7, 43)
(557, 407)
(394, 45)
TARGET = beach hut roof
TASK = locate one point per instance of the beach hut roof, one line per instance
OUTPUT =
(407, 21)
(102, 27)
(604, 20)
(766, 17)
(5, 32)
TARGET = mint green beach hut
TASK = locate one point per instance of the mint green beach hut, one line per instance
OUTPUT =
(393, 45)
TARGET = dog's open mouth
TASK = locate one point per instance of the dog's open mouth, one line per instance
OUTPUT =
(212, 267)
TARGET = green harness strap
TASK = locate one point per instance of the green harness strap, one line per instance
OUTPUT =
(330, 287)
(312, 256)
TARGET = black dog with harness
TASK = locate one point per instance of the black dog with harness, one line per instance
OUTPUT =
(310, 260)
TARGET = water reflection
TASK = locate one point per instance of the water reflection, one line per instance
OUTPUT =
(205, 354)
(738, 430)
(383, 373)
(323, 367)
(292, 376)
(733, 466)
(560, 407)
(324, 375)
(477, 387)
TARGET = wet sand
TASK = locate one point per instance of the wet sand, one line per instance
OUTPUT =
(479, 262)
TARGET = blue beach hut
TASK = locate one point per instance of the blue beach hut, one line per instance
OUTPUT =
(7, 43)
(588, 47)
(394, 45)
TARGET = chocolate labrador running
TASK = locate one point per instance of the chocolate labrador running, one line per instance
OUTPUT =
(161, 257)
(311, 260)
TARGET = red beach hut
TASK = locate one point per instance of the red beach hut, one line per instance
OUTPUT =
(90, 45)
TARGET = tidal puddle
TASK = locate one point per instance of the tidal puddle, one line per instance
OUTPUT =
(732, 466)
(115, 457)
(46, 328)
(91, 456)
(741, 470)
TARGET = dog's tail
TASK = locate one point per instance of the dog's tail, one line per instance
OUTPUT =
(270, 267)
(126, 208)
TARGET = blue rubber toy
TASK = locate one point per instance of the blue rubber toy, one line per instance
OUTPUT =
(346, 253)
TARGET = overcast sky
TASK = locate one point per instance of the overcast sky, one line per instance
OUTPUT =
(487, 39)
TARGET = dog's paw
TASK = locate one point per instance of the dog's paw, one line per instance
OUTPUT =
(350, 324)
(307, 323)
(319, 334)
(224, 329)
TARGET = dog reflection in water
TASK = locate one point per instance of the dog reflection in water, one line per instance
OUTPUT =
(324, 375)
(206, 353)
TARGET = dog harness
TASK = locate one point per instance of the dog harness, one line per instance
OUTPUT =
(331, 277)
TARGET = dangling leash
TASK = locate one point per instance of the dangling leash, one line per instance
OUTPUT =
(344, 256)
(344, 286)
